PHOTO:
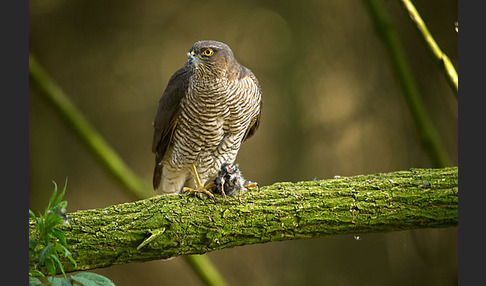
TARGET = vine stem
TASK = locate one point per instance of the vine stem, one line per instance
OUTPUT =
(426, 131)
(442, 59)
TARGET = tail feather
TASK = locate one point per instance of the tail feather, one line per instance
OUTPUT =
(157, 175)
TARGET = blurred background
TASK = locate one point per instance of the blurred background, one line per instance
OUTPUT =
(331, 107)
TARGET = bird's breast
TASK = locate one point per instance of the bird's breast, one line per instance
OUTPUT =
(213, 120)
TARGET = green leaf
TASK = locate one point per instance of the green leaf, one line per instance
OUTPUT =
(35, 273)
(60, 206)
(53, 197)
(61, 195)
(72, 260)
(34, 281)
(59, 281)
(92, 279)
(32, 245)
(62, 249)
(32, 215)
(51, 221)
(40, 227)
(48, 237)
(44, 253)
(51, 267)
(53, 256)
(59, 234)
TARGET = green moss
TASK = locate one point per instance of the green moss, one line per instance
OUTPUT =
(370, 203)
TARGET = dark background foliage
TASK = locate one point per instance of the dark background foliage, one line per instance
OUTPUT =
(331, 107)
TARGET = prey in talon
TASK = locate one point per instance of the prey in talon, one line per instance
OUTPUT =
(230, 181)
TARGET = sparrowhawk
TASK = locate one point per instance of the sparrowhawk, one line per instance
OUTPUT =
(209, 107)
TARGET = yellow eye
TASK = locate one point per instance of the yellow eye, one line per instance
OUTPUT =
(208, 52)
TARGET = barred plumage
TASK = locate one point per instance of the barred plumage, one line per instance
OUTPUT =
(210, 106)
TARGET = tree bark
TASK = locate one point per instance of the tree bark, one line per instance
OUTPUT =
(171, 225)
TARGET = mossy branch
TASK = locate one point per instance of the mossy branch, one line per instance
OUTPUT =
(174, 225)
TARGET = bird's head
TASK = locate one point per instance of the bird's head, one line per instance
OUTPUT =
(211, 56)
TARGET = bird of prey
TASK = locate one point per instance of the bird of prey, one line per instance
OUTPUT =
(209, 108)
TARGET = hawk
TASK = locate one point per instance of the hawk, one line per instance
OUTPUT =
(209, 108)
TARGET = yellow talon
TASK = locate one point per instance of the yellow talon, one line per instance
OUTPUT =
(252, 185)
(200, 188)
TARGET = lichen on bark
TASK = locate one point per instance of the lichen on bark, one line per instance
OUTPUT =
(173, 225)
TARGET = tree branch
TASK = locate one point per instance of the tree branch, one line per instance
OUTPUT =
(174, 225)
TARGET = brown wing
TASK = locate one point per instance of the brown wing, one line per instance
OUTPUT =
(165, 120)
(255, 121)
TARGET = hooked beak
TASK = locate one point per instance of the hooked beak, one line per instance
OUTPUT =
(191, 58)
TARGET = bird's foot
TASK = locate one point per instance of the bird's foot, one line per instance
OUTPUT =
(203, 190)
(200, 188)
(252, 185)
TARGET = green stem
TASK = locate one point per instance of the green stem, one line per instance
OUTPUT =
(135, 188)
(444, 62)
(205, 269)
(404, 76)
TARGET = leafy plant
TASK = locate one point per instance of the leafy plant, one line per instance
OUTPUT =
(48, 243)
